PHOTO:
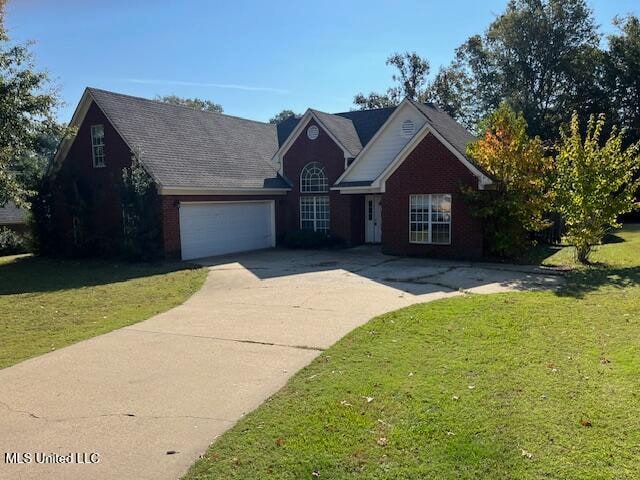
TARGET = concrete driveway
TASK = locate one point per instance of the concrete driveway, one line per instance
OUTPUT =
(150, 398)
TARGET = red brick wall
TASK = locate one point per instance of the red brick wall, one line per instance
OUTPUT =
(429, 168)
(343, 209)
(101, 185)
(170, 215)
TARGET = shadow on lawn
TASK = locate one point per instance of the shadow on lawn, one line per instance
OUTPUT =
(581, 282)
(40, 274)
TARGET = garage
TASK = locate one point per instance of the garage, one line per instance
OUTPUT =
(217, 228)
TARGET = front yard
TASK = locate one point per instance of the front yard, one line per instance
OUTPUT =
(508, 386)
(46, 304)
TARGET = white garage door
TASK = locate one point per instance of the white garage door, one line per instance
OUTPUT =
(216, 228)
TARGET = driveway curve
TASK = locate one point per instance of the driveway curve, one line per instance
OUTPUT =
(151, 397)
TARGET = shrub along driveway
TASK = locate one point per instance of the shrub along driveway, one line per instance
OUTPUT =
(149, 398)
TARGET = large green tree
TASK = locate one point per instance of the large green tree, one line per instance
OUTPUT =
(540, 56)
(197, 103)
(623, 74)
(282, 116)
(594, 182)
(27, 108)
(410, 81)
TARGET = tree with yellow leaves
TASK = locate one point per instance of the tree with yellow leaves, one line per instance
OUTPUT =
(523, 175)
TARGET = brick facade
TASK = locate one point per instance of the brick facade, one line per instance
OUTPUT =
(100, 188)
(429, 168)
(343, 209)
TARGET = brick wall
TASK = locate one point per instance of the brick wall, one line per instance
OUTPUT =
(429, 168)
(100, 186)
(343, 209)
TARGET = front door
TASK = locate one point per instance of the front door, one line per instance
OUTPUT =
(373, 218)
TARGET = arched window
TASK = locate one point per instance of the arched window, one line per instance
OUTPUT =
(313, 179)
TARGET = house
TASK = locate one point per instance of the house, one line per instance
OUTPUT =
(226, 184)
(13, 218)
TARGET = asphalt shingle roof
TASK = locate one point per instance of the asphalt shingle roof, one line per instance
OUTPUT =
(343, 129)
(184, 147)
(458, 136)
(10, 214)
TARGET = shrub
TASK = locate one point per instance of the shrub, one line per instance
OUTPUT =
(522, 196)
(310, 239)
(12, 243)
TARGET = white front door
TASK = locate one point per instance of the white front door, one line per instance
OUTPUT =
(373, 218)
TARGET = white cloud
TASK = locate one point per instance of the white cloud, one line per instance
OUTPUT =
(231, 86)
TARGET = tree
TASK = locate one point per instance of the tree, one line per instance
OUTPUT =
(623, 74)
(451, 91)
(594, 182)
(540, 56)
(411, 80)
(26, 115)
(283, 115)
(522, 195)
(197, 103)
(31, 168)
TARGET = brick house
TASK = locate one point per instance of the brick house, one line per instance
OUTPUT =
(225, 184)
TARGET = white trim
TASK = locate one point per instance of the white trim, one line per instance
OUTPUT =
(162, 190)
(426, 129)
(356, 190)
(401, 157)
(373, 139)
(293, 136)
(483, 180)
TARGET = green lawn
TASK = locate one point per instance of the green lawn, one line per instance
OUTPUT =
(46, 304)
(508, 386)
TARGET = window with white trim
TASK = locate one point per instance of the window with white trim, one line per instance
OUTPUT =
(97, 145)
(313, 179)
(430, 219)
(314, 213)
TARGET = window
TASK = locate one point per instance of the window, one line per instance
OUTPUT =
(313, 179)
(314, 213)
(430, 219)
(97, 145)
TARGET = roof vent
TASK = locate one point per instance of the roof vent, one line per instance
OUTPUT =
(408, 129)
(312, 132)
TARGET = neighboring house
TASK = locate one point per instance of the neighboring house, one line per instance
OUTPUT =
(13, 217)
(225, 184)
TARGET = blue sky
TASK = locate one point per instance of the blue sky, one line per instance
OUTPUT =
(253, 57)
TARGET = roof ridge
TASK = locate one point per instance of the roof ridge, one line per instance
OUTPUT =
(177, 106)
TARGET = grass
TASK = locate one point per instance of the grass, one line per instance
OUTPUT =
(46, 304)
(536, 385)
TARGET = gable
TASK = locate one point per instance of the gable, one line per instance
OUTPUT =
(304, 150)
(385, 145)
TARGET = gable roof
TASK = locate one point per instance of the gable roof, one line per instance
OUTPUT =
(458, 136)
(10, 214)
(365, 122)
(343, 129)
(182, 147)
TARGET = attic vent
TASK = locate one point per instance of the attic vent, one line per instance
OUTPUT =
(408, 129)
(312, 132)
